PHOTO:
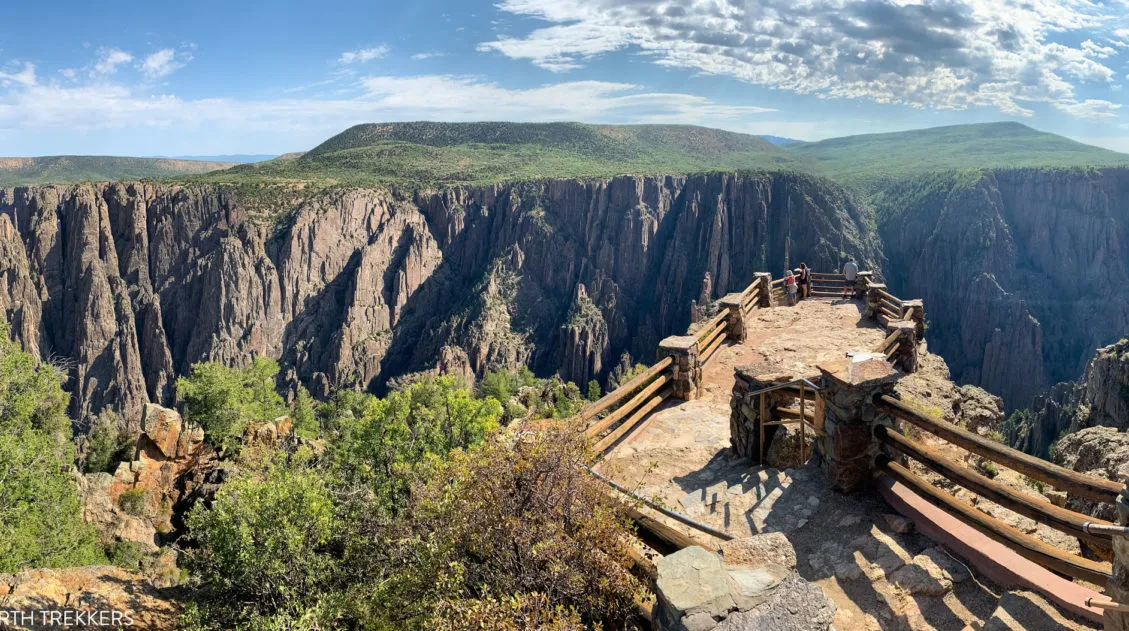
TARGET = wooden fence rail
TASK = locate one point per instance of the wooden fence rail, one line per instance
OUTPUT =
(1023, 544)
(1042, 511)
(1059, 477)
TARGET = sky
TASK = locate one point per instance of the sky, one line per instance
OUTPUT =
(235, 77)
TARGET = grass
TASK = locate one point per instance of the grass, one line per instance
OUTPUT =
(71, 169)
(439, 154)
(873, 161)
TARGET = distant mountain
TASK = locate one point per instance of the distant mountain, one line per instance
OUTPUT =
(483, 153)
(872, 158)
(242, 158)
(70, 169)
(780, 141)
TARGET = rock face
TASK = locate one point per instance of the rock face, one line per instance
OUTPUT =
(131, 283)
(96, 592)
(139, 500)
(1023, 272)
(1100, 398)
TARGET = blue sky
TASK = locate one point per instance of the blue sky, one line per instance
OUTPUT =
(209, 77)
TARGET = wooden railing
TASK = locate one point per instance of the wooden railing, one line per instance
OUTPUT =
(1094, 531)
(789, 416)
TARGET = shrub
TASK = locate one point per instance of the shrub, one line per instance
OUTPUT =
(593, 390)
(305, 421)
(40, 515)
(105, 447)
(128, 555)
(516, 517)
(133, 502)
(379, 446)
(264, 540)
(516, 613)
(224, 401)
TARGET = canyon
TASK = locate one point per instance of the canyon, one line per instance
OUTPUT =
(126, 285)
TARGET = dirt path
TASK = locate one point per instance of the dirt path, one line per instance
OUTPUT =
(847, 545)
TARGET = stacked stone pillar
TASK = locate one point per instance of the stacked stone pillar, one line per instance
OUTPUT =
(873, 299)
(862, 283)
(735, 321)
(1117, 589)
(745, 417)
(915, 312)
(763, 283)
(848, 447)
(687, 368)
(905, 355)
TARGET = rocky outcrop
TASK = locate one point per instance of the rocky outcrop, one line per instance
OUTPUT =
(89, 597)
(142, 498)
(130, 283)
(1099, 399)
(1024, 272)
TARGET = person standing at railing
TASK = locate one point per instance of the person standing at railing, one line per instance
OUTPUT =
(805, 280)
(850, 273)
(790, 287)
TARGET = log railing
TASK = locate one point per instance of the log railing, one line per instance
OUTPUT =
(1094, 531)
(1061, 478)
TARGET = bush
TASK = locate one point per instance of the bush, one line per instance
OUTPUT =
(379, 446)
(516, 517)
(128, 555)
(593, 390)
(133, 502)
(503, 384)
(265, 538)
(305, 421)
(40, 515)
(104, 446)
(224, 401)
(517, 613)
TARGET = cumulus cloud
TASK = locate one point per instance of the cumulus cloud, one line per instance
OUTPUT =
(948, 54)
(109, 60)
(364, 54)
(163, 62)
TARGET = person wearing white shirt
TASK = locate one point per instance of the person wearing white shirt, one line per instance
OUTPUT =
(850, 272)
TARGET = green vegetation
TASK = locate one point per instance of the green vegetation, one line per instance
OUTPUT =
(70, 169)
(40, 516)
(132, 502)
(104, 446)
(224, 401)
(412, 511)
(436, 154)
(874, 160)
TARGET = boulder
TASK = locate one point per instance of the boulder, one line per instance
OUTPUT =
(922, 576)
(759, 550)
(692, 581)
(90, 589)
(795, 605)
(979, 410)
(162, 426)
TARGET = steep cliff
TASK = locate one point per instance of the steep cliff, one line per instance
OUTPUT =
(1024, 272)
(128, 284)
(1099, 399)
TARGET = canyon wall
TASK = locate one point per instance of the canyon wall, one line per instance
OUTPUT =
(1024, 273)
(126, 285)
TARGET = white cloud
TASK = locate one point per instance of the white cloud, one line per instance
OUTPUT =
(110, 59)
(946, 54)
(430, 55)
(37, 109)
(163, 63)
(25, 77)
(364, 54)
(1090, 108)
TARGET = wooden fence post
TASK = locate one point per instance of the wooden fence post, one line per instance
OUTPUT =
(1118, 586)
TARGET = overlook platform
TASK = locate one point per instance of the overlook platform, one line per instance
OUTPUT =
(854, 546)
